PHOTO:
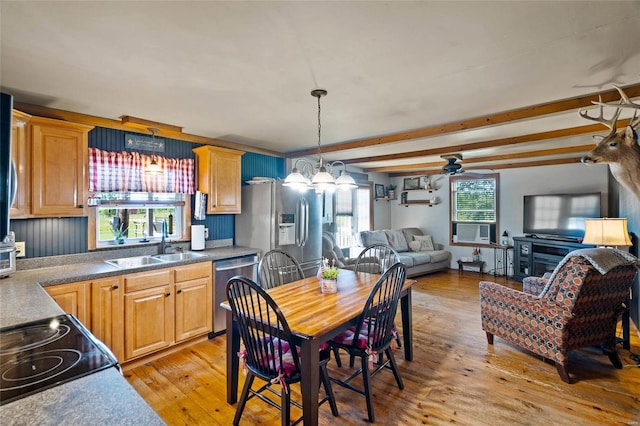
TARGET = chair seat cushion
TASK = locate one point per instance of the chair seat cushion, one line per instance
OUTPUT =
(272, 360)
(346, 337)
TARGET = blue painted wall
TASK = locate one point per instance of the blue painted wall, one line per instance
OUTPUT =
(58, 236)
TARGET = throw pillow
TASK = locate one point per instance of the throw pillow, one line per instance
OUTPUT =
(397, 241)
(426, 242)
(415, 245)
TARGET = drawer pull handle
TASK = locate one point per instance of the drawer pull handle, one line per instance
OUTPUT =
(179, 291)
(115, 287)
(168, 294)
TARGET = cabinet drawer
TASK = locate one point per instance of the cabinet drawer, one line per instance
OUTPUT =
(144, 280)
(193, 271)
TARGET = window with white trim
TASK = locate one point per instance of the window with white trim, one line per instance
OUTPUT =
(134, 217)
(474, 209)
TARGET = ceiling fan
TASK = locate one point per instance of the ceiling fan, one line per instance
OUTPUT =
(452, 167)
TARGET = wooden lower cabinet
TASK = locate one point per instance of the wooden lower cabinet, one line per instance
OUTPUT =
(73, 298)
(166, 306)
(107, 313)
(141, 313)
(193, 284)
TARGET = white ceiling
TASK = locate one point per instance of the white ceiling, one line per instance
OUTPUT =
(242, 71)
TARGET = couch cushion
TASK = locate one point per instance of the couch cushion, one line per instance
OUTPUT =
(407, 258)
(397, 241)
(373, 237)
(410, 232)
(426, 240)
(439, 256)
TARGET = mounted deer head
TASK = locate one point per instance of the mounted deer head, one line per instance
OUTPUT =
(619, 149)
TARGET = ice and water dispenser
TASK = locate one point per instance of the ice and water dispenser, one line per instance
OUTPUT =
(287, 229)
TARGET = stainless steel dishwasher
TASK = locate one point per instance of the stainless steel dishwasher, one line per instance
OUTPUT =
(225, 269)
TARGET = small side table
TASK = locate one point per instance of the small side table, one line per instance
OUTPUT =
(477, 264)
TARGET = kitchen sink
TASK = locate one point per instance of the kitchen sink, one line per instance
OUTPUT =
(133, 262)
(175, 257)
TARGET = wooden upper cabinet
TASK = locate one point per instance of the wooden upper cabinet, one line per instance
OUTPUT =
(58, 167)
(21, 160)
(219, 174)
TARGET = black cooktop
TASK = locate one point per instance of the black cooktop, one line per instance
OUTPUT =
(42, 354)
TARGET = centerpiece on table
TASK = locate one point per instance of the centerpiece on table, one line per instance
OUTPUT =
(328, 276)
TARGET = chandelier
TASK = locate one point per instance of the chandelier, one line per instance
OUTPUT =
(319, 176)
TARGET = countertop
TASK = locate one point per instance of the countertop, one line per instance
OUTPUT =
(100, 398)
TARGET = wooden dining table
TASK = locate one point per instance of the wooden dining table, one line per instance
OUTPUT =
(315, 317)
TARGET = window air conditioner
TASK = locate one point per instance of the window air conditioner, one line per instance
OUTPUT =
(473, 233)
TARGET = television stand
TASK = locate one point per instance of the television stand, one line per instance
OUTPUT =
(533, 256)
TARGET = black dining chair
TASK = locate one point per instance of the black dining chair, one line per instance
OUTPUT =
(372, 336)
(276, 268)
(268, 352)
(376, 259)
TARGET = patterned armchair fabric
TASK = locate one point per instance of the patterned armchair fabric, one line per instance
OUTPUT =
(577, 307)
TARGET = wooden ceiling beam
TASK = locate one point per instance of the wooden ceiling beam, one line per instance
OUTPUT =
(465, 161)
(529, 112)
(552, 162)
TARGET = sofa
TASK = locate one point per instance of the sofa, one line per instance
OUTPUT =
(417, 251)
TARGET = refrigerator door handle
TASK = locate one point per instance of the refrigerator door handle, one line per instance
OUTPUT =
(305, 206)
(298, 220)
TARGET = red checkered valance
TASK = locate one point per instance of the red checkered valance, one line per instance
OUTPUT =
(124, 172)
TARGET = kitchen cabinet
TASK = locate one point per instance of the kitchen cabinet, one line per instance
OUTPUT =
(58, 153)
(73, 298)
(107, 313)
(20, 158)
(148, 312)
(144, 312)
(219, 174)
(194, 300)
(166, 306)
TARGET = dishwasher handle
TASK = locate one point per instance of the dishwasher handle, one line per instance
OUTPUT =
(235, 266)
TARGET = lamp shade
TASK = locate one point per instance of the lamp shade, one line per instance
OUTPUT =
(606, 232)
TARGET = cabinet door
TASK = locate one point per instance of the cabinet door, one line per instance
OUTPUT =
(73, 298)
(107, 313)
(219, 173)
(193, 308)
(226, 184)
(58, 172)
(19, 155)
(149, 321)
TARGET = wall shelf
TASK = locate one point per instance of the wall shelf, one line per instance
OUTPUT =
(404, 200)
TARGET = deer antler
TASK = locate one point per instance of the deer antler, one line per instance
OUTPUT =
(624, 102)
(610, 123)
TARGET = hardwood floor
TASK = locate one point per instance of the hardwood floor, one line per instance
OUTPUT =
(455, 376)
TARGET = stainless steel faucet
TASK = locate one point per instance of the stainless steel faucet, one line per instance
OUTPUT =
(165, 233)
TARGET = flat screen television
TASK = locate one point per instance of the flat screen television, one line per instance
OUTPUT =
(560, 215)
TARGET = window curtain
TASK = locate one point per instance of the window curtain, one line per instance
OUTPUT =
(124, 172)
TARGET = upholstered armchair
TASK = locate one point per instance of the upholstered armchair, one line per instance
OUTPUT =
(331, 251)
(577, 306)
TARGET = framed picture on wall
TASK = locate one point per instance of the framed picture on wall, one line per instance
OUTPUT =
(411, 183)
(380, 191)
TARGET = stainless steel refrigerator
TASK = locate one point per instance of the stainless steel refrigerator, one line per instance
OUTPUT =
(276, 217)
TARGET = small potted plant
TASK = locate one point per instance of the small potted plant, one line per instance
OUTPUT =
(391, 192)
(329, 276)
(119, 233)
